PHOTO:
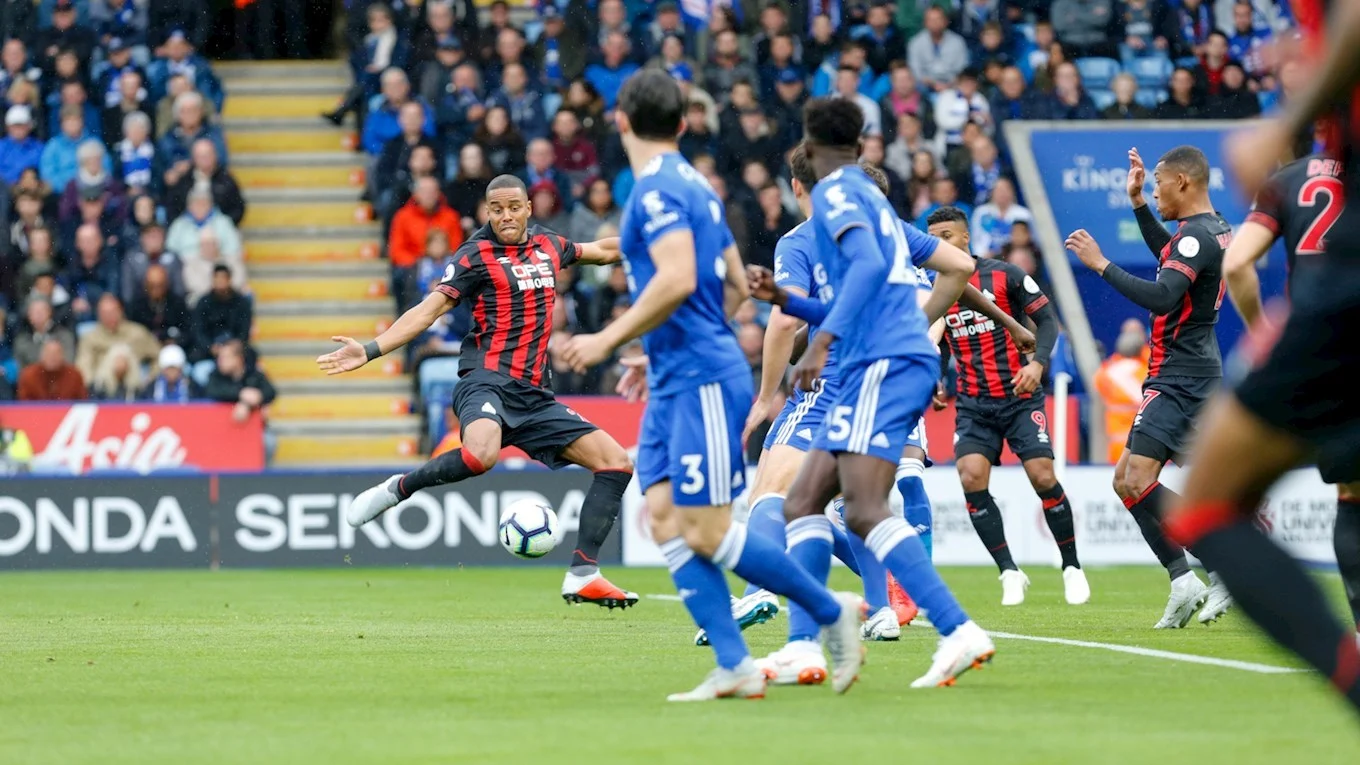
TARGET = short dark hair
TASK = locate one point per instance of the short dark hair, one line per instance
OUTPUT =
(507, 181)
(833, 122)
(801, 167)
(654, 105)
(876, 175)
(222, 268)
(1187, 160)
(947, 215)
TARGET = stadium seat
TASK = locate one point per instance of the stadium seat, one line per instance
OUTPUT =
(438, 378)
(1096, 73)
(1102, 98)
(1152, 71)
(1268, 99)
(1149, 97)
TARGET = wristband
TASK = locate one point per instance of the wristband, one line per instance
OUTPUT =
(371, 350)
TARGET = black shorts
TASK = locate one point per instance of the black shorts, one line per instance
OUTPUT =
(1165, 422)
(531, 418)
(1306, 384)
(984, 423)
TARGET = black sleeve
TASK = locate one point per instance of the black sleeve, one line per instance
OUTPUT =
(220, 388)
(946, 351)
(462, 277)
(266, 388)
(1045, 332)
(1160, 297)
(1154, 233)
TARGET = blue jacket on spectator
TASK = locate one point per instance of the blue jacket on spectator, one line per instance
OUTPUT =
(104, 90)
(360, 59)
(871, 85)
(58, 164)
(175, 145)
(381, 126)
(18, 156)
(1085, 109)
(526, 112)
(558, 179)
(45, 12)
(91, 283)
(128, 20)
(608, 81)
(93, 117)
(195, 68)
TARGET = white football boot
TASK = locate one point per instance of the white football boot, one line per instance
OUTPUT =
(1187, 594)
(373, 502)
(798, 663)
(881, 626)
(1013, 586)
(748, 611)
(1216, 602)
(1075, 587)
(967, 647)
(743, 682)
(841, 640)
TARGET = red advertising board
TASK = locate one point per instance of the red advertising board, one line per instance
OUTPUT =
(85, 437)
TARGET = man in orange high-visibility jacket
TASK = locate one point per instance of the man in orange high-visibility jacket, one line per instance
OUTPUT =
(1119, 381)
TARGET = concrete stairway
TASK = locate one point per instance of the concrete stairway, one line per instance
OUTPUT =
(312, 251)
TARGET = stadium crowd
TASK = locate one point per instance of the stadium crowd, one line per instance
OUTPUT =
(122, 274)
(445, 103)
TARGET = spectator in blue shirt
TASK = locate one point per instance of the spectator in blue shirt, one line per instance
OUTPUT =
(540, 158)
(609, 75)
(19, 150)
(781, 63)
(852, 55)
(72, 94)
(181, 59)
(461, 109)
(943, 193)
(1196, 21)
(175, 148)
(108, 72)
(59, 157)
(382, 124)
(1247, 44)
(382, 48)
(524, 103)
(880, 38)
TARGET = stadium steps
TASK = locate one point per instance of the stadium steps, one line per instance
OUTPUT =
(313, 254)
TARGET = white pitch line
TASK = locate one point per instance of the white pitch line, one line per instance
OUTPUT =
(1188, 658)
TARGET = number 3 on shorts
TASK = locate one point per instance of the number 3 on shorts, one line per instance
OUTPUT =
(694, 480)
(840, 423)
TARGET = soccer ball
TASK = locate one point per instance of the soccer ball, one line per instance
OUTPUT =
(528, 529)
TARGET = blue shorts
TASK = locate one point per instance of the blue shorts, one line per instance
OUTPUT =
(802, 415)
(692, 438)
(879, 406)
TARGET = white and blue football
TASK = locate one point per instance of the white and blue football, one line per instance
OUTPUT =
(529, 529)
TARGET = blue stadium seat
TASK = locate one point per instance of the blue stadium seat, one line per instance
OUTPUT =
(1152, 71)
(1102, 98)
(438, 377)
(1149, 97)
(1096, 72)
(1269, 99)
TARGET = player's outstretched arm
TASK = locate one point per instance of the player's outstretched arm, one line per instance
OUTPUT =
(1020, 335)
(952, 268)
(735, 290)
(1160, 297)
(601, 252)
(1239, 268)
(675, 280)
(351, 355)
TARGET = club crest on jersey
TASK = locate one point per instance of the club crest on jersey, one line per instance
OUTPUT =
(1188, 247)
(656, 210)
(542, 255)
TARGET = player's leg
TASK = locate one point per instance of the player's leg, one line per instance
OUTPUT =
(980, 430)
(478, 407)
(869, 432)
(1346, 541)
(910, 479)
(1239, 456)
(599, 453)
(1058, 516)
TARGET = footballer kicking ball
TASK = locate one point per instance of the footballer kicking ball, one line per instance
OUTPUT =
(529, 529)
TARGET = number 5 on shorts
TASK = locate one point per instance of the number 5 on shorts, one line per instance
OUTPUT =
(694, 480)
(840, 423)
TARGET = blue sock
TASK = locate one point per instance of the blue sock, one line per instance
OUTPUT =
(812, 551)
(703, 588)
(901, 552)
(915, 501)
(872, 573)
(840, 540)
(767, 520)
(802, 580)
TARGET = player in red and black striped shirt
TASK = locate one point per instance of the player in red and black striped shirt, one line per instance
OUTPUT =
(1300, 401)
(1185, 367)
(1001, 399)
(508, 271)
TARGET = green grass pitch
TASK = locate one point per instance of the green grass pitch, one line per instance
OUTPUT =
(489, 666)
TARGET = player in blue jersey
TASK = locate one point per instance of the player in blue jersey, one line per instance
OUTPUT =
(686, 279)
(888, 369)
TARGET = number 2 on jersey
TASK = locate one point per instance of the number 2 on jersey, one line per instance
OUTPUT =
(902, 270)
(1316, 233)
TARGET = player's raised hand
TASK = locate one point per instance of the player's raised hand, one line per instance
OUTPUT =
(1137, 178)
(582, 352)
(632, 383)
(760, 280)
(1086, 249)
(1029, 377)
(347, 358)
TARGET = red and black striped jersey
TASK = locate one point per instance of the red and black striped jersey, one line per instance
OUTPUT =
(1183, 339)
(512, 288)
(1300, 204)
(987, 357)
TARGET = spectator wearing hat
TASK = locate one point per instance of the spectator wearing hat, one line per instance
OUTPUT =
(60, 160)
(19, 150)
(51, 378)
(135, 155)
(880, 38)
(132, 98)
(790, 95)
(614, 69)
(66, 32)
(204, 238)
(524, 103)
(112, 329)
(149, 250)
(560, 50)
(207, 172)
(107, 73)
(936, 54)
(434, 77)
(173, 385)
(189, 18)
(159, 309)
(38, 326)
(176, 146)
(179, 58)
(220, 316)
